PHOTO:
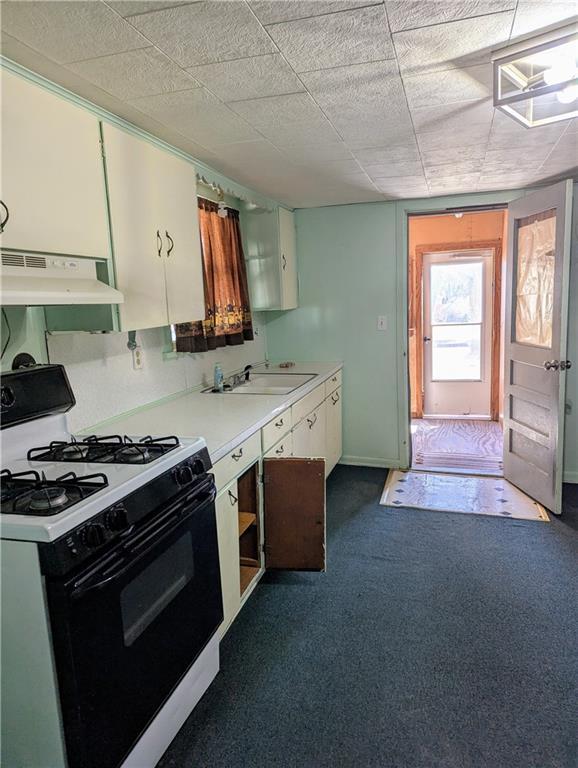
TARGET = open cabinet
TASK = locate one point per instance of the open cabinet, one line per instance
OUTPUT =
(282, 528)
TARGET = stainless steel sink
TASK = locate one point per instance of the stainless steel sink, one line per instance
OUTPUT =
(270, 384)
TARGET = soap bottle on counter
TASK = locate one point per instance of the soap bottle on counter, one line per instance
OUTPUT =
(218, 379)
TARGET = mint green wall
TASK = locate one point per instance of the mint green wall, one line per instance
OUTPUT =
(26, 334)
(352, 268)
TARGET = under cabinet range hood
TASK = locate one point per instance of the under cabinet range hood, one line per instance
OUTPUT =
(37, 280)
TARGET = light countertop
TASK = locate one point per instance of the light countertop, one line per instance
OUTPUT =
(224, 420)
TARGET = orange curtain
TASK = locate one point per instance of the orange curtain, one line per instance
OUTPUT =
(227, 311)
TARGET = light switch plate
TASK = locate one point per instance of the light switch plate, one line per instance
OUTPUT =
(381, 323)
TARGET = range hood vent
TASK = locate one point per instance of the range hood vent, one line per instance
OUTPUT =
(35, 280)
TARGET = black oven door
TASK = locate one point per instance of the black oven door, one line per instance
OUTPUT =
(127, 630)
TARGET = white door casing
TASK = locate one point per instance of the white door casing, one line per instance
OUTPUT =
(535, 368)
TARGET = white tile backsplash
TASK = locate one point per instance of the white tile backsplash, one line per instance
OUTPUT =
(105, 384)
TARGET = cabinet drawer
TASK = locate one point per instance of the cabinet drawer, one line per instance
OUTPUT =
(237, 460)
(275, 429)
(282, 449)
(307, 404)
(332, 383)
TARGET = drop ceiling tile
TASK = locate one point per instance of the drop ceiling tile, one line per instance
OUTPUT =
(533, 15)
(448, 157)
(251, 78)
(396, 153)
(374, 131)
(198, 115)
(327, 151)
(433, 89)
(271, 11)
(132, 7)
(410, 14)
(205, 32)
(132, 74)
(453, 118)
(456, 44)
(453, 170)
(303, 134)
(339, 39)
(278, 110)
(472, 136)
(344, 168)
(389, 170)
(506, 132)
(65, 32)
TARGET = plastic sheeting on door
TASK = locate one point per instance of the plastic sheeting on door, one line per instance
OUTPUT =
(535, 279)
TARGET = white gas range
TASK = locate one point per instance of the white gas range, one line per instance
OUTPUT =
(109, 559)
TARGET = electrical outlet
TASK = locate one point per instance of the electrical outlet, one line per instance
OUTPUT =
(137, 358)
(381, 323)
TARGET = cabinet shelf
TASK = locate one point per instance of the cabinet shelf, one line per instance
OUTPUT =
(246, 520)
(248, 573)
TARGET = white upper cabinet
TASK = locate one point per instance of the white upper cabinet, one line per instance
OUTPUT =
(155, 232)
(270, 253)
(52, 180)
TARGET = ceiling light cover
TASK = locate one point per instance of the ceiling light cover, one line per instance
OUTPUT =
(536, 82)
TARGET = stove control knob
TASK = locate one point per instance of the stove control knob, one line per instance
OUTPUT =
(116, 518)
(184, 475)
(93, 535)
(198, 467)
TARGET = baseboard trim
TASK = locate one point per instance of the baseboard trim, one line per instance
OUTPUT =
(570, 476)
(366, 461)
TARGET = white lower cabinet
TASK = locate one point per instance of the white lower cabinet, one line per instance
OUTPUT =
(333, 430)
(309, 434)
(228, 536)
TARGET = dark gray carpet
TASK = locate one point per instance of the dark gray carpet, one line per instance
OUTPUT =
(434, 640)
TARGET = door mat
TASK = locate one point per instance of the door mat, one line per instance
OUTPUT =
(471, 495)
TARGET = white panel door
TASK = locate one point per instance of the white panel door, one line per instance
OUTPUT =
(457, 324)
(535, 351)
(288, 256)
(52, 178)
(177, 189)
(227, 509)
(139, 246)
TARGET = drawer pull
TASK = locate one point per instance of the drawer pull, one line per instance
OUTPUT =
(312, 421)
(334, 378)
(280, 450)
(232, 498)
(237, 456)
(336, 399)
(279, 423)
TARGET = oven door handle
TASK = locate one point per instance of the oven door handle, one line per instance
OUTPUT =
(161, 533)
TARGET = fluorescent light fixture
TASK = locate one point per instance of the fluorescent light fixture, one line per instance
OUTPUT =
(536, 81)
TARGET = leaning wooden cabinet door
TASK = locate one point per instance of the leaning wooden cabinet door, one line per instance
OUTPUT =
(536, 334)
(294, 514)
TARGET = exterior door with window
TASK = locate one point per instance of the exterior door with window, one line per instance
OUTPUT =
(536, 367)
(457, 311)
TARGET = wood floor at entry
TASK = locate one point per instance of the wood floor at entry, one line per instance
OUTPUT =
(467, 445)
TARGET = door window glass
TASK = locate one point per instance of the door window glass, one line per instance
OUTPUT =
(155, 587)
(535, 264)
(456, 300)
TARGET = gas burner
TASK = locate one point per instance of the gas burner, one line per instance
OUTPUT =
(28, 493)
(110, 449)
(51, 497)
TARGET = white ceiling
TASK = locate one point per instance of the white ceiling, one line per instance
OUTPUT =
(312, 102)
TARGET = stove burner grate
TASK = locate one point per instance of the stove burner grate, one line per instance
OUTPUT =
(29, 493)
(109, 449)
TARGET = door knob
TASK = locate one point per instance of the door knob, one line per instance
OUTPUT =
(565, 365)
(427, 338)
(552, 365)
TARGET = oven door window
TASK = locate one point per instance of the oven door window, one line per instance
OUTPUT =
(149, 593)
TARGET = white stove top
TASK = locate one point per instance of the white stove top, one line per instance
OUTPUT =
(122, 478)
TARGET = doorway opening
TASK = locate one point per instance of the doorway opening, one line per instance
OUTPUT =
(456, 326)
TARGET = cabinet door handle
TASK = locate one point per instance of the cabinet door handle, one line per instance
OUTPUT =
(5, 218)
(279, 423)
(312, 421)
(159, 244)
(237, 456)
(171, 244)
(232, 498)
(337, 398)
(280, 450)
(284, 261)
